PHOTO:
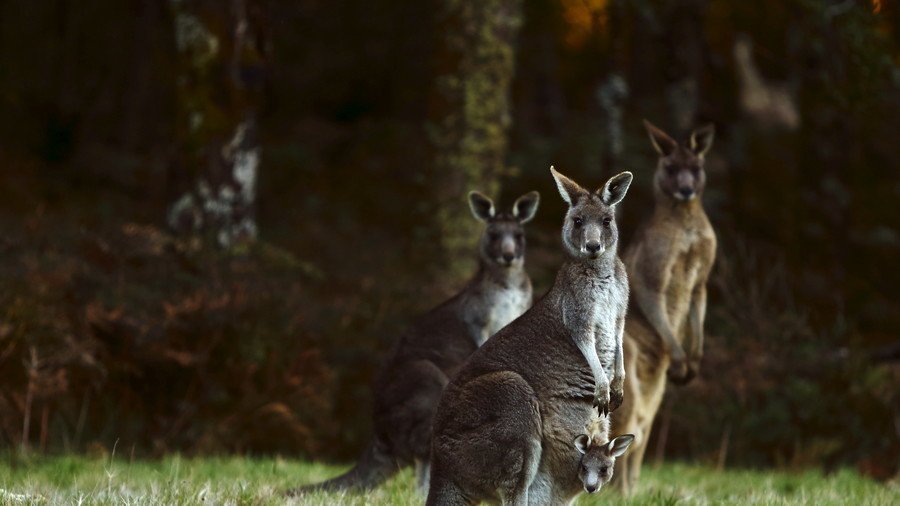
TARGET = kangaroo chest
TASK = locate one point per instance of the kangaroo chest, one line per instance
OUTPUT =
(590, 311)
(603, 309)
(491, 306)
(505, 305)
(685, 272)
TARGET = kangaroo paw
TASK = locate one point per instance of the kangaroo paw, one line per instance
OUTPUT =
(601, 401)
(615, 400)
(681, 375)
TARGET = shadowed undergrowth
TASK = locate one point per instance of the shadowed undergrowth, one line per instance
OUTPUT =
(177, 480)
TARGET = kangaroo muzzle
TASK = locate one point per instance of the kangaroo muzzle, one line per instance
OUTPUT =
(591, 482)
(685, 183)
(508, 250)
(593, 241)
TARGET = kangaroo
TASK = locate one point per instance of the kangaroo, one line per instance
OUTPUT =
(598, 455)
(409, 385)
(504, 427)
(668, 264)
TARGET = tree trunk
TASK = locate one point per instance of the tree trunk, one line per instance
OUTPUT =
(613, 92)
(686, 49)
(222, 49)
(468, 120)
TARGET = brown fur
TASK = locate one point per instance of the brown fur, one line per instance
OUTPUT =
(668, 264)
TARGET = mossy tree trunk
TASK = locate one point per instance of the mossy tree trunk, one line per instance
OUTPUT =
(222, 48)
(468, 120)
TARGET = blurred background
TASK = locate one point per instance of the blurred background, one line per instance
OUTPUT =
(218, 215)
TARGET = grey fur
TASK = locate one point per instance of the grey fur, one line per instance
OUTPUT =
(598, 454)
(409, 384)
(504, 428)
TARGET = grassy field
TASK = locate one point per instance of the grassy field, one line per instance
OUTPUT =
(175, 480)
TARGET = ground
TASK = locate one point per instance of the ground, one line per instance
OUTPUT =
(234, 480)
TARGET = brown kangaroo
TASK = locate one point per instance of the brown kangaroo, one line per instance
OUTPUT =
(409, 385)
(668, 264)
(504, 428)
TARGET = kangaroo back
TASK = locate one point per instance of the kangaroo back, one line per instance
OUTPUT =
(408, 386)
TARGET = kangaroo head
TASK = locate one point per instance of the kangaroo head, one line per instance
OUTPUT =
(503, 240)
(679, 171)
(590, 229)
(598, 460)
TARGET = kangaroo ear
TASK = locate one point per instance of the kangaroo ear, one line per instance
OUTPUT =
(569, 190)
(615, 189)
(661, 141)
(482, 207)
(702, 139)
(617, 446)
(525, 206)
(582, 443)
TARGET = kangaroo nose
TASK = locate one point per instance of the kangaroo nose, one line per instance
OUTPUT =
(590, 489)
(686, 192)
(509, 257)
(593, 246)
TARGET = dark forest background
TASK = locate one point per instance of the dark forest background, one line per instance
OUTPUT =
(258, 330)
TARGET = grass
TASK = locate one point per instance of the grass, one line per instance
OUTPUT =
(234, 480)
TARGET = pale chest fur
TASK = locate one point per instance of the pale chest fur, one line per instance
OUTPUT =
(492, 305)
(505, 305)
(606, 304)
(595, 304)
(692, 255)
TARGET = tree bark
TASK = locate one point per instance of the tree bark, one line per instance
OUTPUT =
(613, 92)
(468, 120)
(685, 60)
(222, 48)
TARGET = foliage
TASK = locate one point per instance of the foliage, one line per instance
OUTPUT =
(784, 393)
(134, 337)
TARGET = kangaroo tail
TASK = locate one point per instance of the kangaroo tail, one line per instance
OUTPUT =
(374, 467)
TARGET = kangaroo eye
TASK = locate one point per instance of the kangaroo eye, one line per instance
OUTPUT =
(494, 236)
(578, 222)
(519, 236)
(607, 221)
(604, 469)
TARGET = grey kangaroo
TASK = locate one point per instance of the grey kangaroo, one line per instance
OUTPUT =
(598, 454)
(668, 264)
(598, 459)
(504, 428)
(409, 384)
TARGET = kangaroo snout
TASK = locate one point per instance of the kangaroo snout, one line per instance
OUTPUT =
(590, 489)
(508, 250)
(594, 247)
(685, 193)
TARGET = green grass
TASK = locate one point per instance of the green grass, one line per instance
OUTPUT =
(176, 480)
